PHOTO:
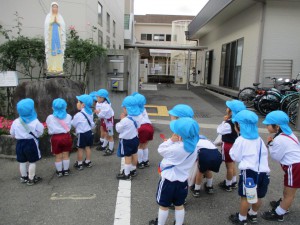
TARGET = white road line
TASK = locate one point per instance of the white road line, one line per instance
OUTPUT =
(123, 203)
(56, 196)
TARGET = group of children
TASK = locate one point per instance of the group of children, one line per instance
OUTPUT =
(186, 147)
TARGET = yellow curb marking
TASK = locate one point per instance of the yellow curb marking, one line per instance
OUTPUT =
(161, 110)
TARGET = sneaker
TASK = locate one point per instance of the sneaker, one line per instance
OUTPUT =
(146, 163)
(122, 176)
(66, 172)
(275, 204)
(88, 165)
(24, 180)
(78, 166)
(59, 173)
(209, 190)
(272, 216)
(224, 186)
(153, 222)
(234, 185)
(252, 218)
(196, 193)
(98, 143)
(192, 188)
(100, 148)
(108, 152)
(133, 173)
(140, 165)
(35, 180)
(234, 218)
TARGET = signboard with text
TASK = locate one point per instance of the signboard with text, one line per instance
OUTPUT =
(9, 79)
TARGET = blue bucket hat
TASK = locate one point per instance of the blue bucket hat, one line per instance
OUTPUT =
(88, 103)
(130, 103)
(26, 110)
(59, 106)
(235, 106)
(248, 124)
(93, 95)
(103, 93)
(279, 118)
(182, 110)
(188, 129)
(141, 101)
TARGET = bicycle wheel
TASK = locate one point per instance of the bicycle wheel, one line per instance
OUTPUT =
(268, 103)
(247, 95)
(292, 110)
(286, 100)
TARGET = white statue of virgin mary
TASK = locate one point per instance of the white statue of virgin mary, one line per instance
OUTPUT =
(55, 40)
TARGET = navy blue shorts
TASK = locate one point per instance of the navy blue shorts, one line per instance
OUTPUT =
(85, 139)
(128, 147)
(262, 184)
(209, 159)
(27, 151)
(171, 192)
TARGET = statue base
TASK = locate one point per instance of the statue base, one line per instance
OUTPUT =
(50, 75)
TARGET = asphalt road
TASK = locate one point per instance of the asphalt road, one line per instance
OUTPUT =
(89, 196)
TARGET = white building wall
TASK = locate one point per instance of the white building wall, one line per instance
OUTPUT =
(245, 25)
(282, 32)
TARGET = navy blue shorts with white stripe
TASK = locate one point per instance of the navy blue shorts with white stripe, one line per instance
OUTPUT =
(85, 139)
(27, 151)
(171, 192)
(128, 147)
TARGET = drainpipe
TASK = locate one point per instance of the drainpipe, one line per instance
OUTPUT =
(260, 43)
(188, 65)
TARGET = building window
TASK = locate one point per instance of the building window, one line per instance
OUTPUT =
(107, 22)
(168, 37)
(146, 37)
(158, 37)
(114, 44)
(120, 47)
(114, 28)
(231, 64)
(107, 42)
(100, 12)
(100, 38)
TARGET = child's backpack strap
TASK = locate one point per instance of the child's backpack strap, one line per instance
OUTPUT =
(87, 119)
(134, 122)
(290, 138)
(27, 128)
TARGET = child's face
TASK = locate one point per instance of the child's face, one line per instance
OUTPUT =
(228, 112)
(272, 128)
(100, 99)
(174, 117)
(124, 110)
(80, 105)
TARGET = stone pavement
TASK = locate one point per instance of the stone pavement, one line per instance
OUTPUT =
(90, 196)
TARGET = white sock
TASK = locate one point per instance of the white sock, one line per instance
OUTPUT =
(140, 155)
(31, 170)
(228, 182)
(241, 218)
(179, 217)
(127, 168)
(102, 140)
(105, 142)
(58, 166)
(233, 179)
(145, 155)
(133, 167)
(23, 169)
(209, 182)
(197, 187)
(66, 164)
(252, 213)
(162, 216)
(79, 162)
(87, 161)
(111, 145)
(280, 211)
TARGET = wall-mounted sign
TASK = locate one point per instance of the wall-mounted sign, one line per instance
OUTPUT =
(9, 79)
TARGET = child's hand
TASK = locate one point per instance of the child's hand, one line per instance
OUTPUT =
(269, 139)
(226, 117)
(175, 138)
(96, 111)
(122, 116)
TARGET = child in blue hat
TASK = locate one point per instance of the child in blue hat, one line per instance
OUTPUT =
(229, 135)
(251, 153)
(179, 154)
(284, 148)
(59, 125)
(146, 132)
(106, 115)
(128, 137)
(27, 129)
(83, 124)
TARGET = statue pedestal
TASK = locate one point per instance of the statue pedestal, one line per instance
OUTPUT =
(50, 75)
